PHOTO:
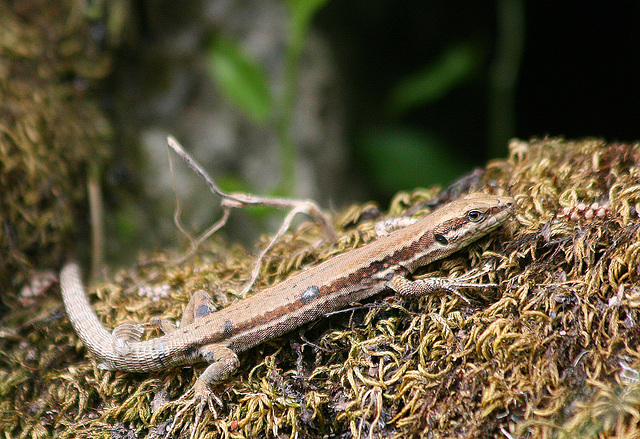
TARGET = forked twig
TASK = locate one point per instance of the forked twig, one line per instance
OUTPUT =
(240, 200)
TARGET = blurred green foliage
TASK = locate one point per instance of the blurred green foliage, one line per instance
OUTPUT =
(242, 80)
(246, 84)
(301, 13)
(401, 137)
(454, 67)
(403, 157)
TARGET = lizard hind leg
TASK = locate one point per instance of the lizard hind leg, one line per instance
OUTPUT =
(200, 304)
(123, 334)
(223, 362)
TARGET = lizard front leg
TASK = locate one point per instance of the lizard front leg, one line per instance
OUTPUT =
(421, 287)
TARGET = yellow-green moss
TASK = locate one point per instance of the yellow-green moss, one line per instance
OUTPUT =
(552, 352)
(51, 128)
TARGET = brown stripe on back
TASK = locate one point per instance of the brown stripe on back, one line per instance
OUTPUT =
(355, 285)
(362, 277)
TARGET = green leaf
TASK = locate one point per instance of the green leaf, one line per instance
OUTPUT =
(401, 158)
(454, 67)
(301, 12)
(241, 79)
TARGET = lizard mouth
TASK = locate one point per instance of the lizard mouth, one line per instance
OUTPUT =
(504, 209)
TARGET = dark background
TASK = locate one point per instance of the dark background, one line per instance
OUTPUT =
(426, 91)
(578, 69)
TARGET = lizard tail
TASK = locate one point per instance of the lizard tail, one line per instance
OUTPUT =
(82, 316)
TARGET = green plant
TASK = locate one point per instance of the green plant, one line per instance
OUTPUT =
(245, 83)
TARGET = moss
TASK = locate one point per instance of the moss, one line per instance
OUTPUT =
(552, 352)
(51, 128)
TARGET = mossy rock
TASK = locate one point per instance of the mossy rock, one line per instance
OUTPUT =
(52, 131)
(551, 352)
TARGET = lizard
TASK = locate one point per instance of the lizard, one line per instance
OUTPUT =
(386, 263)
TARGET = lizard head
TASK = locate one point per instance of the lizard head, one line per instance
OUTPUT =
(468, 218)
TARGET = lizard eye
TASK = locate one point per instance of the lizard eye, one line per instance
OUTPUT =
(440, 239)
(475, 216)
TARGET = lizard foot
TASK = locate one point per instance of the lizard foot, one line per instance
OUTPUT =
(203, 397)
(424, 286)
